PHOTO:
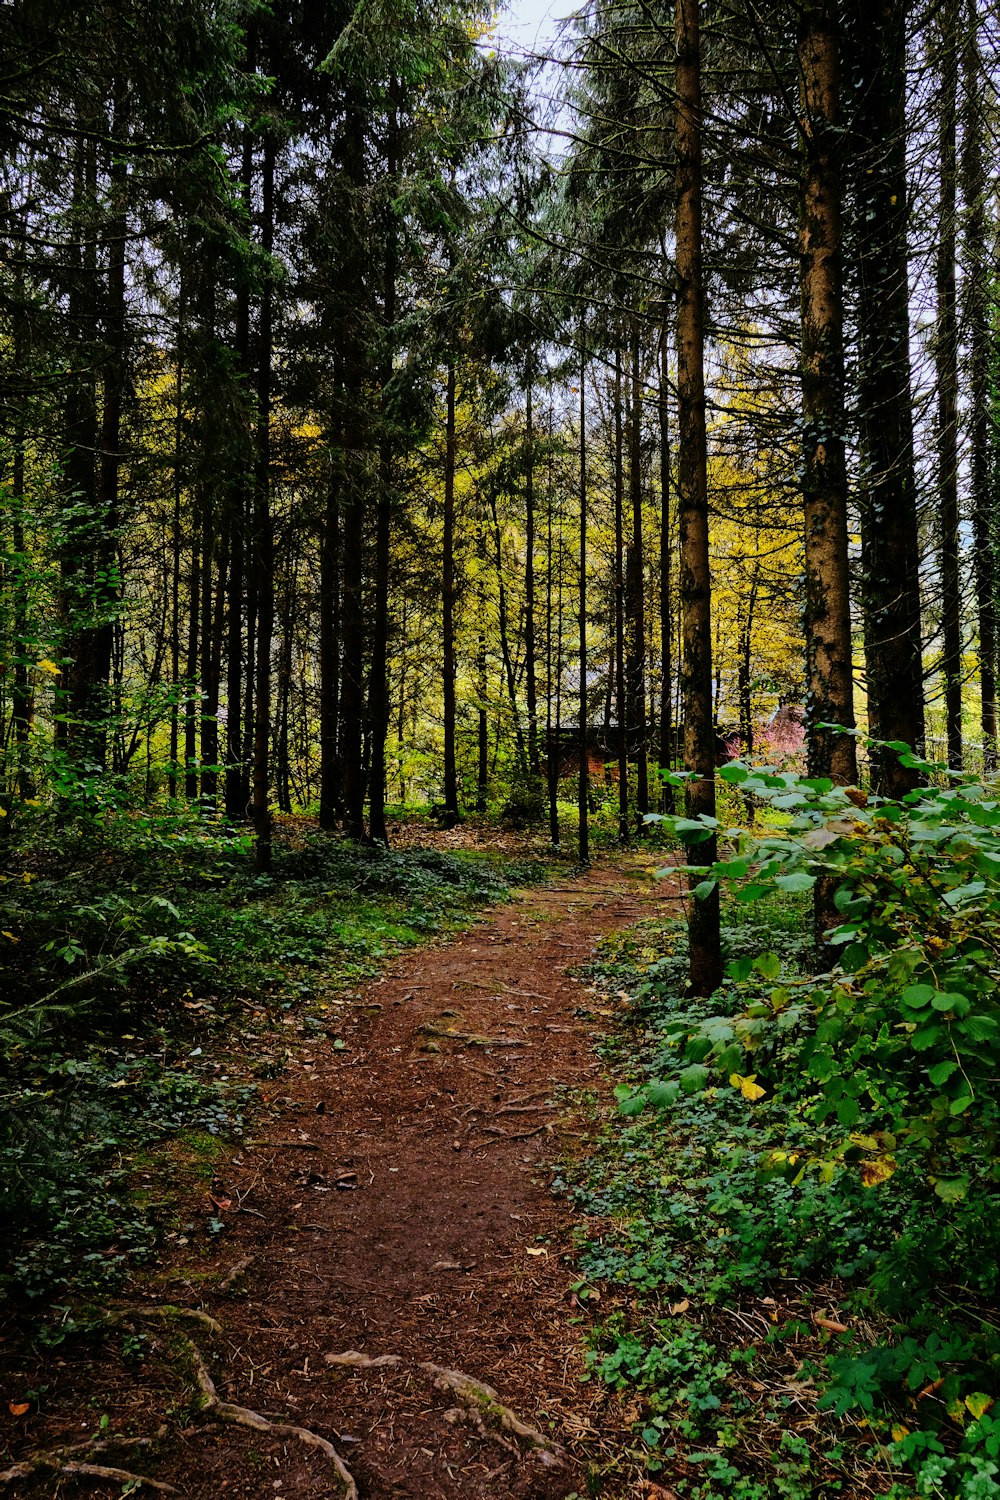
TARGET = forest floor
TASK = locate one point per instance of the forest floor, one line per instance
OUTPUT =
(385, 1246)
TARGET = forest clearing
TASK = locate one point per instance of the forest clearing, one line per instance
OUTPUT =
(499, 788)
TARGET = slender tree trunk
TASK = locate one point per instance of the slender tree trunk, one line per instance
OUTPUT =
(330, 785)
(505, 651)
(704, 938)
(192, 694)
(890, 547)
(830, 690)
(946, 359)
(378, 692)
(448, 599)
(352, 688)
(583, 781)
(482, 687)
(551, 739)
(621, 700)
(264, 539)
(666, 558)
(240, 499)
(747, 610)
(977, 273)
(176, 549)
(531, 687)
(636, 592)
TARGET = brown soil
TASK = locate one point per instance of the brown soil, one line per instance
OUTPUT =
(399, 1205)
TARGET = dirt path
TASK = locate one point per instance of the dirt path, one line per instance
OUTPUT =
(412, 1218)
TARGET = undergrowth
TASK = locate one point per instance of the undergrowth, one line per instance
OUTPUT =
(146, 973)
(782, 1299)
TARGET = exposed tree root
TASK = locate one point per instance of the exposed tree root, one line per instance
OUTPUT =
(351, 1357)
(168, 1313)
(210, 1401)
(243, 1416)
(70, 1467)
(503, 1135)
(483, 1398)
(235, 1273)
(470, 1038)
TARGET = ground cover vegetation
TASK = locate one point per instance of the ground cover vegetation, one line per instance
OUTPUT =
(390, 419)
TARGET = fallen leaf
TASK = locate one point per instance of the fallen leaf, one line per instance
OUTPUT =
(830, 1324)
(535, 1250)
(676, 1308)
(748, 1087)
(18, 1408)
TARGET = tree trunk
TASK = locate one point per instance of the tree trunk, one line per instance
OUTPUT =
(977, 273)
(946, 360)
(705, 954)
(666, 558)
(531, 688)
(378, 691)
(830, 682)
(621, 700)
(890, 548)
(239, 502)
(330, 784)
(636, 592)
(583, 781)
(264, 539)
(448, 599)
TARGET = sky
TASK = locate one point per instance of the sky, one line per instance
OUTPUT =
(533, 25)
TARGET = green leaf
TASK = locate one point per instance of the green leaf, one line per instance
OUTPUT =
(979, 1028)
(752, 892)
(965, 892)
(703, 889)
(694, 1078)
(631, 1102)
(797, 881)
(853, 957)
(929, 1036)
(734, 774)
(952, 1189)
(942, 1071)
(947, 1000)
(740, 968)
(916, 996)
(959, 1106)
(768, 965)
(663, 1095)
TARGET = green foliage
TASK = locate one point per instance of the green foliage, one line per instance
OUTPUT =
(821, 1123)
(132, 945)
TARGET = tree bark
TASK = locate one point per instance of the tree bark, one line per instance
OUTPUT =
(946, 360)
(448, 664)
(666, 558)
(264, 539)
(890, 547)
(531, 688)
(830, 680)
(704, 938)
(977, 271)
(621, 699)
(583, 781)
(636, 592)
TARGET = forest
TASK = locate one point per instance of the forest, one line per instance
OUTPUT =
(437, 471)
